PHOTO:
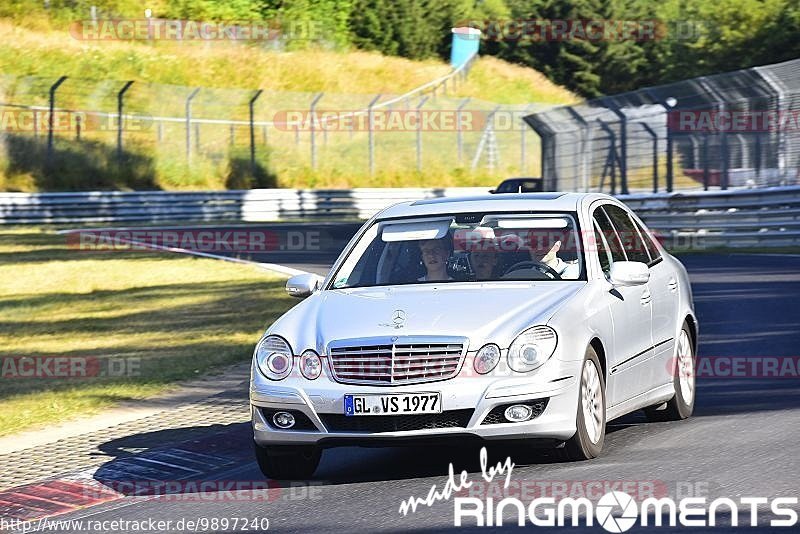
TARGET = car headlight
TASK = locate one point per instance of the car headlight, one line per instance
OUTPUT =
(274, 357)
(532, 348)
(486, 359)
(310, 364)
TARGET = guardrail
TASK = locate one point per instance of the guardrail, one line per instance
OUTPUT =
(767, 217)
(248, 205)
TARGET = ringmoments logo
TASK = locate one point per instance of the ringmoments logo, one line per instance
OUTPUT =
(617, 511)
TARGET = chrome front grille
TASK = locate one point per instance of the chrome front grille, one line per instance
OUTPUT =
(402, 361)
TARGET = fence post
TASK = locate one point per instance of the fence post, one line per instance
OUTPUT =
(459, 133)
(370, 133)
(723, 150)
(313, 120)
(120, 109)
(670, 169)
(419, 133)
(586, 134)
(611, 159)
(623, 147)
(189, 124)
(654, 135)
(522, 143)
(706, 172)
(253, 132)
(757, 157)
(668, 104)
(53, 89)
(77, 127)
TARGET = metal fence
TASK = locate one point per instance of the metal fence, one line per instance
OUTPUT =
(728, 130)
(763, 217)
(201, 136)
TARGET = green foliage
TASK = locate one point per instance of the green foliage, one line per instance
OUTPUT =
(411, 28)
(694, 38)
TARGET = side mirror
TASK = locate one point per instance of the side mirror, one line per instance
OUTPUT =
(629, 273)
(303, 285)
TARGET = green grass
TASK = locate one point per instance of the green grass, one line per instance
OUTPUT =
(173, 317)
(31, 59)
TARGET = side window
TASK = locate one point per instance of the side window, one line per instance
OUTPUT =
(652, 249)
(611, 237)
(603, 254)
(632, 242)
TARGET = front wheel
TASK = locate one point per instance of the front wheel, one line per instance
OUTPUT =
(288, 462)
(681, 405)
(591, 417)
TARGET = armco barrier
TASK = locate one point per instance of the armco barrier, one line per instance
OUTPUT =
(768, 217)
(249, 205)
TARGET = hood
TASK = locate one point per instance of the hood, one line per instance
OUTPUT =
(494, 312)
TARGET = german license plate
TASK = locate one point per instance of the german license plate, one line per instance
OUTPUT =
(393, 404)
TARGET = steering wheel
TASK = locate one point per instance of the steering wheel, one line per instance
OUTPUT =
(532, 264)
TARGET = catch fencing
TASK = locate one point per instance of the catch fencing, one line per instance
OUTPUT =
(714, 132)
(133, 134)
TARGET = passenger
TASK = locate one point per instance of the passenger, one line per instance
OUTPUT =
(484, 261)
(434, 257)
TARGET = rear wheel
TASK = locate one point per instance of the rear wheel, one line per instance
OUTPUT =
(288, 462)
(591, 417)
(681, 405)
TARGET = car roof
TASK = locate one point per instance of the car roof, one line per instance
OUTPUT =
(553, 201)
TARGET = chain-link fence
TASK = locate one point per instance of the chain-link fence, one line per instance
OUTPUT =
(729, 130)
(66, 134)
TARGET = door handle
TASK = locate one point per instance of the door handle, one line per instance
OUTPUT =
(672, 285)
(646, 298)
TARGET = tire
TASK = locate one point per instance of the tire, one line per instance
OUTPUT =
(591, 417)
(681, 405)
(288, 462)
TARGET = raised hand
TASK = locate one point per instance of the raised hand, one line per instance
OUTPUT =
(550, 257)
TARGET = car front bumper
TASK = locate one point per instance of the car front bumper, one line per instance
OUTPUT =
(473, 395)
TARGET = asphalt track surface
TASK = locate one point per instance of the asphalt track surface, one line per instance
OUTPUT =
(741, 441)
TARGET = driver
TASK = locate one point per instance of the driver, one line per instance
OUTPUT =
(484, 260)
(434, 257)
(565, 269)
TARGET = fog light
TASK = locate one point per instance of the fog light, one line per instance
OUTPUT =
(284, 420)
(518, 413)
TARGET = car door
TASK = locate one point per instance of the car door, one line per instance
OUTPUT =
(629, 365)
(664, 288)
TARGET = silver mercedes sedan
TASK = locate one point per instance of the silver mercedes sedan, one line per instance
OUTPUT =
(506, 317)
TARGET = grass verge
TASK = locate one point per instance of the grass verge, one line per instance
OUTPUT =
(153, 318)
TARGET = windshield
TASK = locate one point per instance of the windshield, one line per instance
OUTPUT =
(464, 248)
